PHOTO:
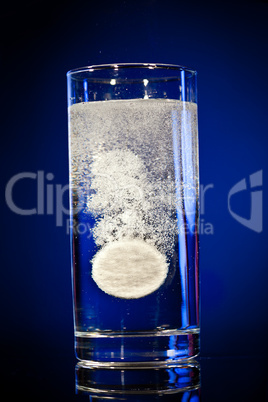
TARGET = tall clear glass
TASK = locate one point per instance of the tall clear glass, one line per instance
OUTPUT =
(134, 194)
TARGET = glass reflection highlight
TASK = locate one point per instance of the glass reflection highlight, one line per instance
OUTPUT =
(164, 384)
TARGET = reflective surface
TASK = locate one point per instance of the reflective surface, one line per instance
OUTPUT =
(138, 381)
(62, 379)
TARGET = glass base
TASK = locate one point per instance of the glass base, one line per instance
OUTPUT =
(151, 349)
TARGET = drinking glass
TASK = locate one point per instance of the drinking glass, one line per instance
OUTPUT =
(134, 197)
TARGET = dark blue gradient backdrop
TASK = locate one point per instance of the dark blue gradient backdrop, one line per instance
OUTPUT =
(227, 45)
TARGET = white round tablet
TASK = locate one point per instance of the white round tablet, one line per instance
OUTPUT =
(129, 269)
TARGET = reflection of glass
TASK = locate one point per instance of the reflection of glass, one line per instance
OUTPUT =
(134, 212)
(149, 384)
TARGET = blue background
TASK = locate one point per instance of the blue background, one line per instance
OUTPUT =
(227, 45)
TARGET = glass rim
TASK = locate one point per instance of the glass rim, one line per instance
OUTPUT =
(118, 66)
